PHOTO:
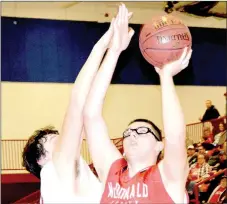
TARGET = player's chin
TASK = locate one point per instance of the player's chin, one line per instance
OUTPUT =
(131, 153)
(134, 153)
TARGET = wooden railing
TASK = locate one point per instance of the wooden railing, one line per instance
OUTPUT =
(11, 156)
(12, 153)
(195, 130)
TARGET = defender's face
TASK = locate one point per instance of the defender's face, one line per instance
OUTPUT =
(48, 142)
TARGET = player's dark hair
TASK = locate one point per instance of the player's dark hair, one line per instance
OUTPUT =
(34, 150)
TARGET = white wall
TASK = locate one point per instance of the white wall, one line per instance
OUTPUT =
(29, 106)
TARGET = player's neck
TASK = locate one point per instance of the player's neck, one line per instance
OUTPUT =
(138, 166)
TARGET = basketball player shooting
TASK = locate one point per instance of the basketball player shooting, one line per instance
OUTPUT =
(55, 158)
(138, 178)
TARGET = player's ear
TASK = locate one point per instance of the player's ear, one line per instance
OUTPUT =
(159, 147)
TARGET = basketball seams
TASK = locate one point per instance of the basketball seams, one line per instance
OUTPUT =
(160, 32)
(164, 49)
(158, 64)
(167, 28)
(174, 37)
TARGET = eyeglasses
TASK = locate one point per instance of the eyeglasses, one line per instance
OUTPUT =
(139, 131)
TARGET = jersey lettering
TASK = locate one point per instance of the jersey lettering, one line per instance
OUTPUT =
(139, 190)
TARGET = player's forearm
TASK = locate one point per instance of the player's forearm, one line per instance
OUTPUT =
(86, 76)
(100, 85)
(70, 137)
(173, 118)
(95, 127)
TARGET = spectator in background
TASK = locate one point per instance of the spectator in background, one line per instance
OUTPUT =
(192, 155)
(221, 165)
(219, 193)
(220, 138)
(207, 135)
(188, 141)
(214, 156)
(201, 150)
(198, 171)
(210, 113)
(222, 161)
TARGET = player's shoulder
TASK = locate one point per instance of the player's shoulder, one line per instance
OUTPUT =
(49, 177)
(153, 172)
(49, 181)
(47, 169)
(119, 164)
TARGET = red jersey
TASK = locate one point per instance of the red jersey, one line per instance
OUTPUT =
(216, 194)
(145, 187)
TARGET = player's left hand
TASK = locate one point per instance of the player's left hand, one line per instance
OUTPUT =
(177, 66)
(122, 33)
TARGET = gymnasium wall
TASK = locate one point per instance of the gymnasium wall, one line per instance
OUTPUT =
(41, 58)
(28, 106)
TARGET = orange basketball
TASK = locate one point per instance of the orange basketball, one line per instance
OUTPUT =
(163, 39)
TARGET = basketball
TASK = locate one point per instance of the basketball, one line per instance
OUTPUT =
(163, 40)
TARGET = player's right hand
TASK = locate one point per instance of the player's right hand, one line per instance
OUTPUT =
(105, 40)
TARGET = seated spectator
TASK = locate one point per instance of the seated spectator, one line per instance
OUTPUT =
(206, 149)
(215, 124)
(207, 135)
(221, 165)
(220, 138)
(209, 148)
(201, 149)
(222, 161)
(192, 155)
(219, 193)
(198, 171)
(188, 141)
(214, 157)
